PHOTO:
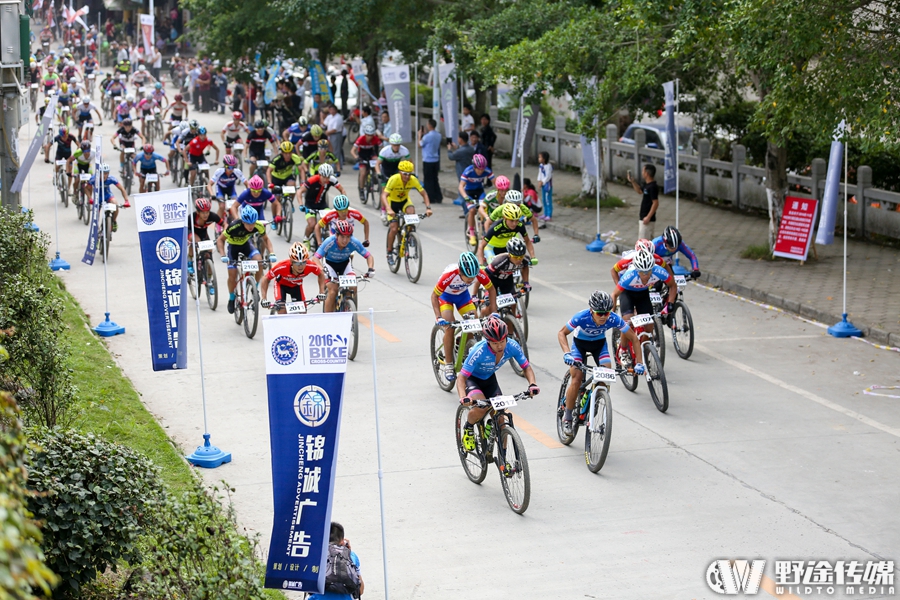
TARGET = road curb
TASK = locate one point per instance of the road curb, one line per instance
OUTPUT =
(809, 312)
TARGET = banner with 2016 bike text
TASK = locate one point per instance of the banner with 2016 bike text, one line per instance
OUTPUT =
(162, 220)
(306, 358)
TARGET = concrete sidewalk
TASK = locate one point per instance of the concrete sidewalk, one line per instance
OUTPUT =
(718, 236)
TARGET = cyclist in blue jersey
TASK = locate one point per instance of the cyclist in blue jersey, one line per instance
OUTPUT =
(477, 380)
(590, 327)
(471, 188)
(108, 182)
(223, 182)
(257, 197)
(335, 253)
(635, 283)
(295, 132)
(147, 161)
(670, 243)
(83, 112)
(239, 236)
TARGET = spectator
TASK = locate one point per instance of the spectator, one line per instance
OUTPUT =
(156, 62)
(649, 201)
(220, 81)
(530, 197)
(193, 74)
(204, 83)
(334, 129)
(430, 142)
(488, 138)
(468, 121)
(345, 93)
(366, 119)
(237, 97)
(110, 29)
(475, 142)
(462, 153)
(387, 128)
(545, 180)
(337, 538)
(333, 86)
(122, 54)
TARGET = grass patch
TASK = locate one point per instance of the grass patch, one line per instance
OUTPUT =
(581, 201)
(757, 252)
(110, 407)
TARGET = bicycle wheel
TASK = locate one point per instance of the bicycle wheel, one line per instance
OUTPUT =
(63, 191)
(514, 474)
(598, 431)
(629, 379)
(397, 258)
(659, 339)
(251, 318)
(79, 206)
(656, 378)
(474, 463)
(522, 314)
(437, 358)
(682, 330)
(515, 332)
(469, 246)
(211, 284)
(87, 207)
(239, 304)
(413, 258)
(349, 305)
(107, 233)
(560, 413)
(193, 284)
(129, 176)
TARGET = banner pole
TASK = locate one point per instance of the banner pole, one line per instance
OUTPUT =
(107, 328)
(415, 91)
(677, 186)
(845, 328)
(57, 263)
(597, 244)
(378, 448)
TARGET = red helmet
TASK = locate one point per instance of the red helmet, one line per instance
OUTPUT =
(202, 204)
(149, 148)
(502, 183)
(494, 329)
(178, 97)
(342, 227)
(236, 115)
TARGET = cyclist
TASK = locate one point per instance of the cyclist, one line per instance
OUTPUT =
(295, 132)
(364, 149)
(341, 212)
(202, 219)
(83, 159)
(471, 188)
(108, 182)
(257, 140)
(83, 114)
(669, 244)
(257, 197)
(634, 287)
(322, 157)
(309, 143)
(478, 379)
(194, 152)
(63, 141)
(147, 160)
(141, 78)
(179, 110)
(515, 197)
(506, 264)
(590, 327)
(288, 277)
(159, 95)
(123, 110)
(493, 201)
(452, 290)
(115, 90)
(89, 64)
(335, 252)
(395, 199)
(315, 194)
(391, 156)
(127, 134)
(625, 262)
(50, 81)
(231, 132)
(238, 236)
(145, 108)
(497, 237)
(283, 168)
(222, 183)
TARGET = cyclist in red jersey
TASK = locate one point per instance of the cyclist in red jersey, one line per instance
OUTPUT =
(365, 149)
(315, 194)
(627, 257)
(193, 152)
(288, 277)
(341, 212)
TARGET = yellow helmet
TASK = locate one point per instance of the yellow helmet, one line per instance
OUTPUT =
(64, 88)
(405, 166)
(286, 146)
(512, 211)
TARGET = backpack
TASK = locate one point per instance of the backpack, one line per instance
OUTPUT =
(341, 574)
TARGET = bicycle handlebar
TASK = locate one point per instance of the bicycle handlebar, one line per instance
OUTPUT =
(486, 403)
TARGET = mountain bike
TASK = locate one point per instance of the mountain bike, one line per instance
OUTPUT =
(659, 318)
(346, 301)
(151, 182)
(290, 308)
(34, 96)
(177, 169)
(105, 231)
(680, 321)
(236, 149)
(202, 273)
(479, 229)
(593, 409)
(90, 81)
(285, 194)
(371, 187)
(82, 198)
(408, 248)
(508, 306)
(311, 242)
(246, 302)
(466, 333)
(624, 357)
(128, 169)
(498, 442)
(61, 181)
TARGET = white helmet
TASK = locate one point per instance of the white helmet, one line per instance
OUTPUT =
(85, 100)
(326, 171)
(643, 261)
(369, 129)
(513, 197)
(142, 68)
(129, 98)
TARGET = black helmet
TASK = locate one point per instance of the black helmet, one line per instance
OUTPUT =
(600, 302)
(259, 125)
(672, 237)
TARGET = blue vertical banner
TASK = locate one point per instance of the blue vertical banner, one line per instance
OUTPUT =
(271, 89)
(830, 202)
(449, 99)
(306, 359)
(359, 76)
(529, 115)
(162, 220)
(396, 90)
(671, 140)
(319, 81)
(90, 251)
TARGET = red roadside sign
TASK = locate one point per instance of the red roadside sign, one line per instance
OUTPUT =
(795, 233)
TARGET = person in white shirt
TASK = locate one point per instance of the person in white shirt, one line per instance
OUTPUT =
(545, 184)
(468, 121)
(334, 130)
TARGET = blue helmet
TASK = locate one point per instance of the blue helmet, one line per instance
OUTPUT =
(202, 131)
(468, 264)
(341, 202)
(249, 214)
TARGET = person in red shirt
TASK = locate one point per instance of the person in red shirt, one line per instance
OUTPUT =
(288, 277)
(194, 152)
(365, 149)
(341, 212)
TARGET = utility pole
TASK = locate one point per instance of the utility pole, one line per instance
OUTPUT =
(12, 23)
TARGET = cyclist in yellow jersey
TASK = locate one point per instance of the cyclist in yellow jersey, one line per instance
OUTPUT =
(283, 168)
(395, 199)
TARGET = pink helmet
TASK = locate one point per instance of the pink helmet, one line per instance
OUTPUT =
(230, 161)
(644, 244)
(255, 183)
(502, 183)
(479, 161)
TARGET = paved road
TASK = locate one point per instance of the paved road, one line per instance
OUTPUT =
(769, 449)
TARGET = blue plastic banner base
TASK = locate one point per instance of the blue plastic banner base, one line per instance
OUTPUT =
(208, 456)
(844, 328)
(596, 245)
(58, 264)
(30, 225)
(458, 201)
(678, 269)
(108, 328)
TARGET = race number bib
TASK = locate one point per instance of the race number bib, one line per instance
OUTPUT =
(205, 245)
(152, 177)
(505, 300)
(238, 146)
(655, 298)
(680, 281)
(411, 219)
(639, 320)
(249, 266)
(295, 308)
(501, 402)
(262, 163)
(288, 189)
(604, 374)
(347, 281)
(471, 326)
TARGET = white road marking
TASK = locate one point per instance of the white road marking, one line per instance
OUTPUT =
(768, 337)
